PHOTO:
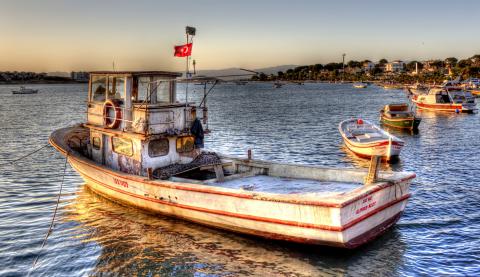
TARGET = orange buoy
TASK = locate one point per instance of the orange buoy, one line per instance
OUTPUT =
(109, 122)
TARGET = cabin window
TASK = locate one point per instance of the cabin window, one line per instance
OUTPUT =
(142, 90)
(153, 90)
(158, 147)
(185, 144)
(116, 87)
(96, 143)
(98, 88)
(122, 146)
(163, 92)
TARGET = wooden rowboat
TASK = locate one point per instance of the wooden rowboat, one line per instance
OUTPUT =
(366, 140)
(399, 116)
(347, 218)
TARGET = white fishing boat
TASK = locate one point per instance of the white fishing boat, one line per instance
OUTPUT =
(366, 140)
(24, 90)
(418, 89)
(141, 146)
(442, 99)
(359, 85)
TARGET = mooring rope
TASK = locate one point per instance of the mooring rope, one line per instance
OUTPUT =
(53, 217)
(25, 156)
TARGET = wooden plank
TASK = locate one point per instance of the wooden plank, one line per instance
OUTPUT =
(219, 172)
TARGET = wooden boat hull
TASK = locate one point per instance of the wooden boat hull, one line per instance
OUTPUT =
(345, 220)
(410, 123)
(389, 152)
(444, 107)
(389, 149)
(359, 86)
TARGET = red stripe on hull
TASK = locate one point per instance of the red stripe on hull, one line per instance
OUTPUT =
(382, 143)
(442, 107)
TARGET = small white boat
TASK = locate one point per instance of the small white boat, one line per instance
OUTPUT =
(24, 90)
(366, 140)
(277, 85)
(359, 85)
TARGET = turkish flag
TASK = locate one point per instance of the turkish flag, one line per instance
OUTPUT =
(183, 50)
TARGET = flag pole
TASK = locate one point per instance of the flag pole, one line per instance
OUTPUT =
(189, 31)
(186, 87)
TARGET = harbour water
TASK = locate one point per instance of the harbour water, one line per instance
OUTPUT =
(438, 234)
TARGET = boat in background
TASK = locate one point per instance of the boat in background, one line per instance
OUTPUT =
(366, 140)
(277, 85)
(24, 90)
(443, 99)
(359, 85)
(472, 85)
(388, 86)
(399, 116)
(240, 82)
(418, 89)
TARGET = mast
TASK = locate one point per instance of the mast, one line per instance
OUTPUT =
(189, 32)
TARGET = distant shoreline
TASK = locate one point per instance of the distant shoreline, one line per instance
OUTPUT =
(40, 82)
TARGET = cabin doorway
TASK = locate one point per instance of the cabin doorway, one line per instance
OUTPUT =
(97, 147)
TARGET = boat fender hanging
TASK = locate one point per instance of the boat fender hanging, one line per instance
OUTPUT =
(108, 121)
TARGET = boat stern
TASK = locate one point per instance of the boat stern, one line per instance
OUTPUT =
(377, 208)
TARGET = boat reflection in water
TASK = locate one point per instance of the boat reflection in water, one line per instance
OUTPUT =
(359, 162)
(133, 242)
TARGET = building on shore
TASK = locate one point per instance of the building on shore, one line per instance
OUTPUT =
(368, 66)
(80, 76)
(395, 66)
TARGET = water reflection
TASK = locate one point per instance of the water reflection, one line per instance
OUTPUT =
(400, 132)
(133, 242)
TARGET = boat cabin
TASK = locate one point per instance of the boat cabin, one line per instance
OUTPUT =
(136, 122)
(444, 96)
(400, 110)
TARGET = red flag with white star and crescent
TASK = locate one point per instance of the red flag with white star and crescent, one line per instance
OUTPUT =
(183, 50)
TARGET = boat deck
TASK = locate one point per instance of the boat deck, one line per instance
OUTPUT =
(364, 134)
(264, 183)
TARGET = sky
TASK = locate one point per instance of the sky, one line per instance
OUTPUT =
(64, 35)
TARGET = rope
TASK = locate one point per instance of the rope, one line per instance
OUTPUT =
(29, 154)
(54, 215)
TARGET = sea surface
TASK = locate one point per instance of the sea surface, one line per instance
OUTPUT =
(438, 235)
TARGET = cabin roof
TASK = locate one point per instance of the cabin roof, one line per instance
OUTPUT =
(138, 73)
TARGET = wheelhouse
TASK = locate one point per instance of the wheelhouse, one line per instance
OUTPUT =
(136, 122)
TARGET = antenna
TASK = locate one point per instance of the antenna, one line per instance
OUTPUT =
(113, 65)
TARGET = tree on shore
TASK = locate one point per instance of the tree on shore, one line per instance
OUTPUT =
(452, 61)
(411, 66)
(467, 68)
